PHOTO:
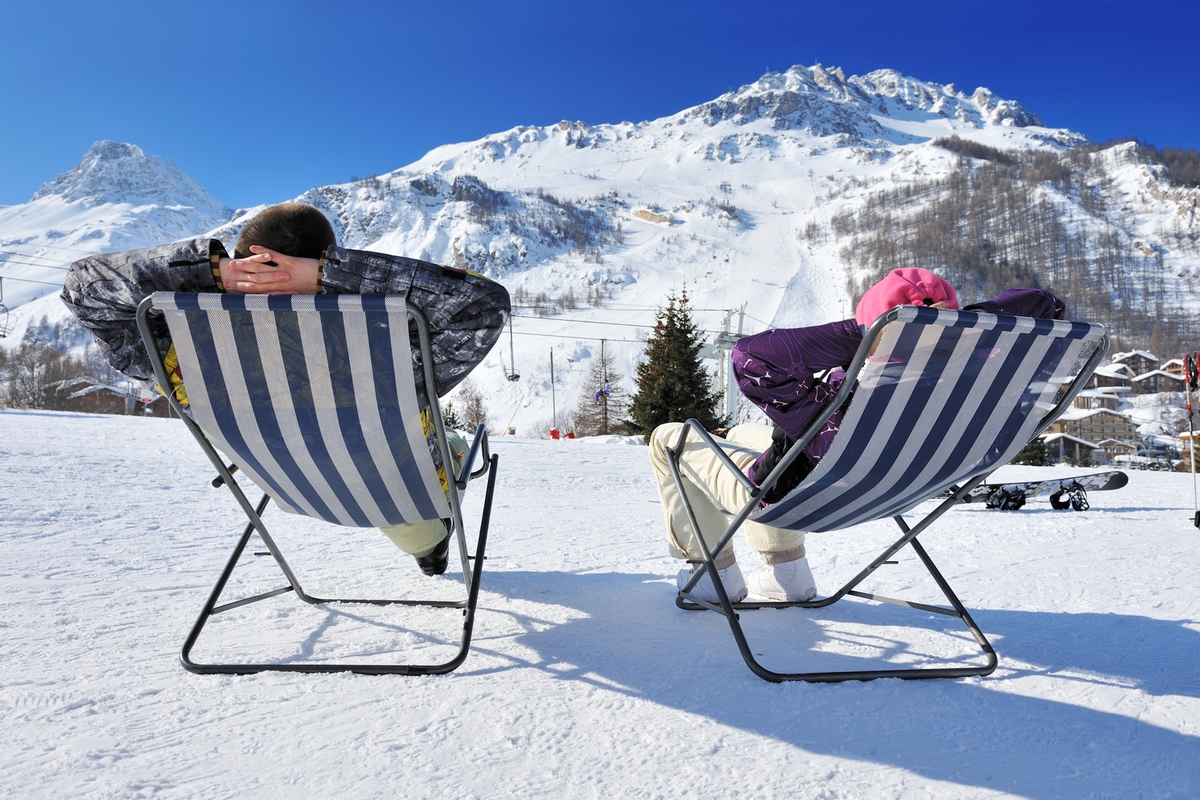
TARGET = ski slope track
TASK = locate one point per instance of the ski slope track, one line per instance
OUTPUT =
(584, 679)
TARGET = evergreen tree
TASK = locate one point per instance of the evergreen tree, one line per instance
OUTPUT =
(450, 417)
(1034, 454)
(604, 403)
(672, 383)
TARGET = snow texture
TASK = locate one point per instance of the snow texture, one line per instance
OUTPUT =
(584, 680)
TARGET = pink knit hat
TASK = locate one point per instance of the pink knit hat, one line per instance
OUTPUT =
(902, 287)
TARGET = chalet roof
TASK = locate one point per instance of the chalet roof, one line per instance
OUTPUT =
(98, 387)
(1075, 413)
(1117, 357)
(1053, 437)
(1115, 370)
(1146, 375)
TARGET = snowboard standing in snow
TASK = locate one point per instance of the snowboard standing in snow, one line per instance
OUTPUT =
(1064, 492)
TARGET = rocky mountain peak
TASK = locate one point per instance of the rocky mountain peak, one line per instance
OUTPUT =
(823, 101)
(115, 172)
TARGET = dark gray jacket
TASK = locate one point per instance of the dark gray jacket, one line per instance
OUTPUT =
(466, 312)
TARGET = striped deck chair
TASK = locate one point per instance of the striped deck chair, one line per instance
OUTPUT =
(314, 398)
(944, 399)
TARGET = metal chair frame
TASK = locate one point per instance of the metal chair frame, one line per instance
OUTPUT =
(688, 601)
(254, 513)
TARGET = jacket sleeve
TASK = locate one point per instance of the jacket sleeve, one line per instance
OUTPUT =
(1023, 303)
(466, 311)
(776, 370)
(103, 292)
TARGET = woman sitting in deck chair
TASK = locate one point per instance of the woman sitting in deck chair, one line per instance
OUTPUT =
(780, 371)
(290, 248)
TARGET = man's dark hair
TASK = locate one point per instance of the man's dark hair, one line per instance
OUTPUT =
(293, 229)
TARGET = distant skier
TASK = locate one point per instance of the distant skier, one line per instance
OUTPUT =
(777, 370)
(291, 249)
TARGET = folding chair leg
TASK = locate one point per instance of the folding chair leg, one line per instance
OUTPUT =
(730, 611)
(211, 607)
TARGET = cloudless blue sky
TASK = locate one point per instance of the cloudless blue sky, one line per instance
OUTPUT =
(262, 99)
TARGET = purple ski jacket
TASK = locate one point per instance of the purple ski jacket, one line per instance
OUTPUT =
(777, 369)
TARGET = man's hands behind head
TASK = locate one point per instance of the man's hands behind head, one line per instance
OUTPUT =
(269, 272)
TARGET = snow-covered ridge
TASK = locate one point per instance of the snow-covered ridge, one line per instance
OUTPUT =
(116, 198)
(732, 200)
(827, 103)
(114, 172)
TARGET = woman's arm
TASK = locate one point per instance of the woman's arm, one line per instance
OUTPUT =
(775, 369)
(1023, 303)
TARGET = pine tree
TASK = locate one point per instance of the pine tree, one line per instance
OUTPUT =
(1033, 454)
(602, 407)
(450, 417)
(672, 383)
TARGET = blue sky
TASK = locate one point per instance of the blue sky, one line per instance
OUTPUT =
(262, 100)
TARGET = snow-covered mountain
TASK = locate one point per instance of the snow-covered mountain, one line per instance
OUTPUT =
(731, 200)
(116, 198)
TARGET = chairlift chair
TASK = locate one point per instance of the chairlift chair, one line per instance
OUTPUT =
(5, 326)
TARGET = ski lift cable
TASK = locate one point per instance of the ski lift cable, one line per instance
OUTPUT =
(759, 321)
(55, 259)
(580, 338)
(601, 322)
(28, 280)
(630, 307)
(584, 321)
(32, 263)
(52, 247)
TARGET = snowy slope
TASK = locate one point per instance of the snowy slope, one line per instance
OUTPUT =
(714, 200)
(585, 680)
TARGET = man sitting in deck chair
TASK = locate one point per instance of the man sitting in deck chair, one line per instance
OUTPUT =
(290, 248)
(778, 370)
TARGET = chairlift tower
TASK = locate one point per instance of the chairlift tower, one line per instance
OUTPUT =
(722, 350)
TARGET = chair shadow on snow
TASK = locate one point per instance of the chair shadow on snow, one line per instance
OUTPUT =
(622, 632)
(629, 636)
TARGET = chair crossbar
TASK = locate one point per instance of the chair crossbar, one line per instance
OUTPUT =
(939, 399)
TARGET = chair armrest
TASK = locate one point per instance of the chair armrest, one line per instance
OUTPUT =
(478, 444)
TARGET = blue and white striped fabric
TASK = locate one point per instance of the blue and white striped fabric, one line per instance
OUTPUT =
(313, 397)
(946, 396)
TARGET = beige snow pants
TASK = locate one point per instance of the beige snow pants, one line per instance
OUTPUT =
(714, 493)
(419, 538)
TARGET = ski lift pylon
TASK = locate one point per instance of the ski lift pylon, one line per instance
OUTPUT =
(5, 327)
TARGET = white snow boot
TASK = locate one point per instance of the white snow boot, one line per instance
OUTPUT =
(790, 581)
(731, 579)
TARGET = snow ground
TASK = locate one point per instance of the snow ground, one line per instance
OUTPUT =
(584, 679)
